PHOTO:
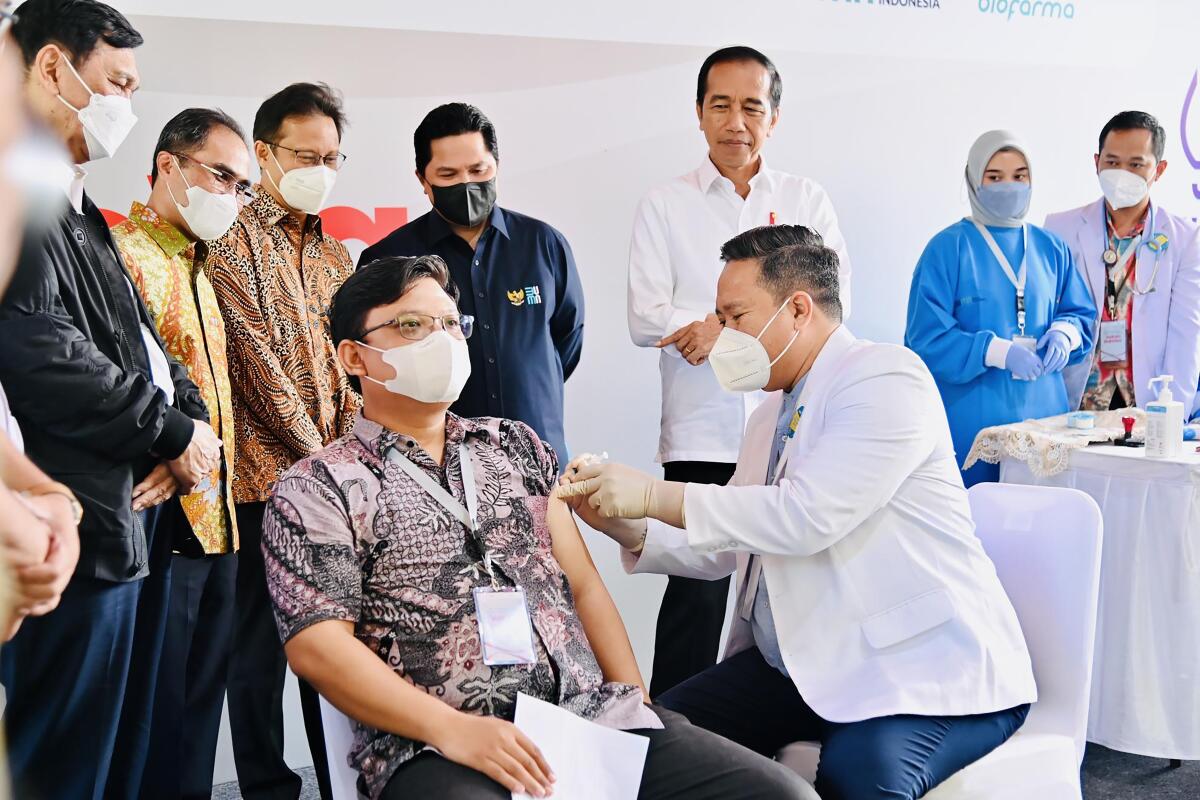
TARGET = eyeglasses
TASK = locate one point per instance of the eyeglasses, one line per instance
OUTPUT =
(227, 183)
(311, 158)
(416, 327)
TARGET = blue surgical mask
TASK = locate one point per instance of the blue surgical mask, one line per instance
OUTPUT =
(1007, 200)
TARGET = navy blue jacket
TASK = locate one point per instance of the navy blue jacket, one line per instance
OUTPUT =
(521, 286)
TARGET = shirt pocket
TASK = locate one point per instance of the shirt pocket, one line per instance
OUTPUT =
(905, 620)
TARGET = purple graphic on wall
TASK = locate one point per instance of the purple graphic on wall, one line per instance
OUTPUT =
(1183, 130)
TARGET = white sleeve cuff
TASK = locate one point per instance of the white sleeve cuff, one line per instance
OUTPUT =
(681, 317)
(997, 353)
(1072, 333)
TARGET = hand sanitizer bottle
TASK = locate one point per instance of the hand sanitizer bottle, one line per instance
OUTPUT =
(1164, 422)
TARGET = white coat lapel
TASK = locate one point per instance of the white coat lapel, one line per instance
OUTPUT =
(757, 449)
(1092, 238)
(829, 360)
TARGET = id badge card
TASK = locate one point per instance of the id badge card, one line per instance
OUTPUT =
(1028, 342)
(1114, 344)
(504, 627)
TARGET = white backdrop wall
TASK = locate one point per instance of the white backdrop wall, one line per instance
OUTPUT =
(594, 104)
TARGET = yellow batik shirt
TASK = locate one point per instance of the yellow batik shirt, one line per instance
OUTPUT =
(166, 269)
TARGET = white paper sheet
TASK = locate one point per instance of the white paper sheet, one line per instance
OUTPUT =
(590, 761)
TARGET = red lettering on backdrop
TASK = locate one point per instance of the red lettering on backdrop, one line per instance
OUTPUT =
(346, 222)
(340, 222)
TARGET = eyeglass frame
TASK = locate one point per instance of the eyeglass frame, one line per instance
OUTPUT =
(464, 320)
(339, 157)
(243, 189)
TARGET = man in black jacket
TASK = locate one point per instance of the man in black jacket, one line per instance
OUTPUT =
(102, 408)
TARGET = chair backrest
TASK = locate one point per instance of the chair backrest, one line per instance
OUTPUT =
(1045, 543)
(339, 737)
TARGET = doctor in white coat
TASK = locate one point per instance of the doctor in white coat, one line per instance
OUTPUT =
(869, 617)
(1142, 264)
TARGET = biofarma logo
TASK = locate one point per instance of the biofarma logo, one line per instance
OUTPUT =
(1030, 9)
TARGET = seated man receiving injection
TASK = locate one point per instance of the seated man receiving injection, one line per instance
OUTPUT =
(422, 577)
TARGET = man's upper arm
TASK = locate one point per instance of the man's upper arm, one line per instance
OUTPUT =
(878, 429)
(59, 381)
(651, 291)
(566, 326)
(309, 550)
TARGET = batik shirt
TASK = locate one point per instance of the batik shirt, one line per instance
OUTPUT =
(1107, 378)
(349, 536)
(165, 267)
(274, 277)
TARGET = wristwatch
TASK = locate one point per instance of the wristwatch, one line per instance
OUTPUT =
(54, 487)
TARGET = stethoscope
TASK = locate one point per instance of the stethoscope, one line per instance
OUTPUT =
(1115, 262)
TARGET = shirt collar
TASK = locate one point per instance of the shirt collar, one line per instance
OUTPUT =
(708, 174)
(75, 188)
(1139, 228)
(271, 213)
(438, 229)
(378, 439)
(170, 239)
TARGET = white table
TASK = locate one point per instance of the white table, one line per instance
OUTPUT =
(1146, 678)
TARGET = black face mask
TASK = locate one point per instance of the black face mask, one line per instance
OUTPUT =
(465, 204)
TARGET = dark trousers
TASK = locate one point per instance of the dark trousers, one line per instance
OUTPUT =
(191, 682)
(688, 635)
(889, 758)
(683, 762)
(257, 669)
(154, 599)
(66, 677)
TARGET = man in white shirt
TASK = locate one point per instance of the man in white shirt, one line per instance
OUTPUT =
(673, 268)
(868, 616)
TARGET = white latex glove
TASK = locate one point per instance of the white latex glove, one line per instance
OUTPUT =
(628, 533)
(618, 491)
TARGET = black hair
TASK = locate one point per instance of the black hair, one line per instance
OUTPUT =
(187, 132)
(381, 282)
(791, 258)
(74, 25)
(1134, 121)
(297, 100)
(757, 242)
(452, 119)
(739, 53)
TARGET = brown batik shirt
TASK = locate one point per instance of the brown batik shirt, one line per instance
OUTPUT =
(274, 276)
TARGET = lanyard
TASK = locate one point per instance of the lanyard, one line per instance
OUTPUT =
(1017, 279)
(468, 515)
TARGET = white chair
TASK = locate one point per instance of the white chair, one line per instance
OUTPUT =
(1045, 543)
(339, 737)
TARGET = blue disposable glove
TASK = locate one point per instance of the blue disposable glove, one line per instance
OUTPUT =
(1058, 350)
(1023, 364)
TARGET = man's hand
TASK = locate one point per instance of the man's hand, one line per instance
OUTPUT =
(48, 580)
(155, 488)
(202, 456)
(695, 340)
(628, 533)
(499, 750)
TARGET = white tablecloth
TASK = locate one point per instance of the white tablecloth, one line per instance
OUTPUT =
(1146, 678)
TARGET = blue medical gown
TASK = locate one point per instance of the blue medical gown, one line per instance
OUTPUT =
(961, 300)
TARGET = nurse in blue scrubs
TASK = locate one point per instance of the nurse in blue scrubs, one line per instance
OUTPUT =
(997, 308)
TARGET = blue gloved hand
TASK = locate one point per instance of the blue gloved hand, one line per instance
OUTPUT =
(1023, 364)
(1058, 350)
